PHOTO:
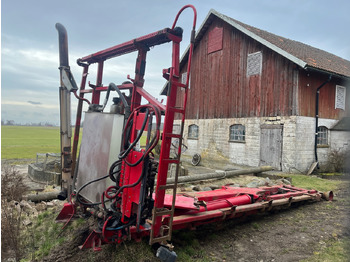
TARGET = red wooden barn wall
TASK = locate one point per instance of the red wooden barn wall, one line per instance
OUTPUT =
(308, 84)
(220, 87)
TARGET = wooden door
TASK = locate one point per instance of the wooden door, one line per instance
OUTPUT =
(271, 140)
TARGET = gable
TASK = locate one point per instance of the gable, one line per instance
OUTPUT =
(305, 56)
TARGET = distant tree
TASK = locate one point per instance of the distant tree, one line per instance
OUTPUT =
(10, 122)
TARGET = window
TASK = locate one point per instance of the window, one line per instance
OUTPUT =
(237, 133)
(340, 94)
(183, 78)
(254, 64)
(193, 132)
(322, 137)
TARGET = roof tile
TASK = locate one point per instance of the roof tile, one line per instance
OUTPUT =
(312, 56)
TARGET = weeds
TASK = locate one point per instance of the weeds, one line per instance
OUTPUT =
(256, 226)
(12, 190)
(337, 161)
(12, 185)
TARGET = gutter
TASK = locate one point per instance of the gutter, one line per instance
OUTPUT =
(317, 116)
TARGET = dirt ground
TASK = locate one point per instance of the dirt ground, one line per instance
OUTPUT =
(286, 235)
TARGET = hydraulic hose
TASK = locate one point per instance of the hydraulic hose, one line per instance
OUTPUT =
(124, 154)
(112, 86)
(85, 185)
(111, 170)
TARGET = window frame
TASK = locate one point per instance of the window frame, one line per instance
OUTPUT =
(254, 63)
(322, 136)
(340, 101)
(193, 132)
(237, 137)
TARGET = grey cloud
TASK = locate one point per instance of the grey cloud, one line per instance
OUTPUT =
(34, 103)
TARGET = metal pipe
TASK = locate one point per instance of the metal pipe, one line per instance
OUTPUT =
(317, 116)
(63, 44)
(219, 175)
(46, 196)
(65, 122)
(328, 195)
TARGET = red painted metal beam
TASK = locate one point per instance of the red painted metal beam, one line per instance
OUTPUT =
(150, 40)
(150, 98)
(96, 93)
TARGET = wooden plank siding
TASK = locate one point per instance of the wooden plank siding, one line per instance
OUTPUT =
(220, 87)
(308, 84)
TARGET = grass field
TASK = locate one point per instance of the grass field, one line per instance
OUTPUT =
(23, 142)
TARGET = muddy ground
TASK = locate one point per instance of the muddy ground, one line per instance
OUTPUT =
(287, 235)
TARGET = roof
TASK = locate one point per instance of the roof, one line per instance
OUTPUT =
(304, 55)
(342, 125)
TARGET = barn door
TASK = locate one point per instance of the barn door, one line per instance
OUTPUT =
(271, 140)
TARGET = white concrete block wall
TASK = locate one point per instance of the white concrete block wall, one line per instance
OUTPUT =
(340, 140)
(289, 149)
(303, 154)
(213, 141)
(323, 152)
(297, 149)
(305, 139)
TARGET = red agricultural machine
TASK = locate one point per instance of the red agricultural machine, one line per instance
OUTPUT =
(122, 184)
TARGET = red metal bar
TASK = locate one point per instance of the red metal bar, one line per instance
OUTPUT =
(139, 74)
(96, 93)
(150, 40)
(214, 210)
(78, 118)
(179, 13)
(300, 189)
(166, 143)
(150, 98)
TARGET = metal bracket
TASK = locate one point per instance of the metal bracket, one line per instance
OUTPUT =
(68, 79)
(93, 241)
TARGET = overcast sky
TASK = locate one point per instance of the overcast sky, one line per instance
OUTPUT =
(29, 42)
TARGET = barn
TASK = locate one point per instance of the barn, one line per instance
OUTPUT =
(256, 98)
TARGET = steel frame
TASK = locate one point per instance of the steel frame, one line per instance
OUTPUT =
(170, 211)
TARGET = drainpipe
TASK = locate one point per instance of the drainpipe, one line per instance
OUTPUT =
(316, 115)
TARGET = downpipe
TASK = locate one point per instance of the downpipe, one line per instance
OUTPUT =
(317, 116)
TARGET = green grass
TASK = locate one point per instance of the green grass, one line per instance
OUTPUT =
(43, 236)
(331, 174)
(334, 252)
(311, 182)
(188, 247)
(23, 142)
